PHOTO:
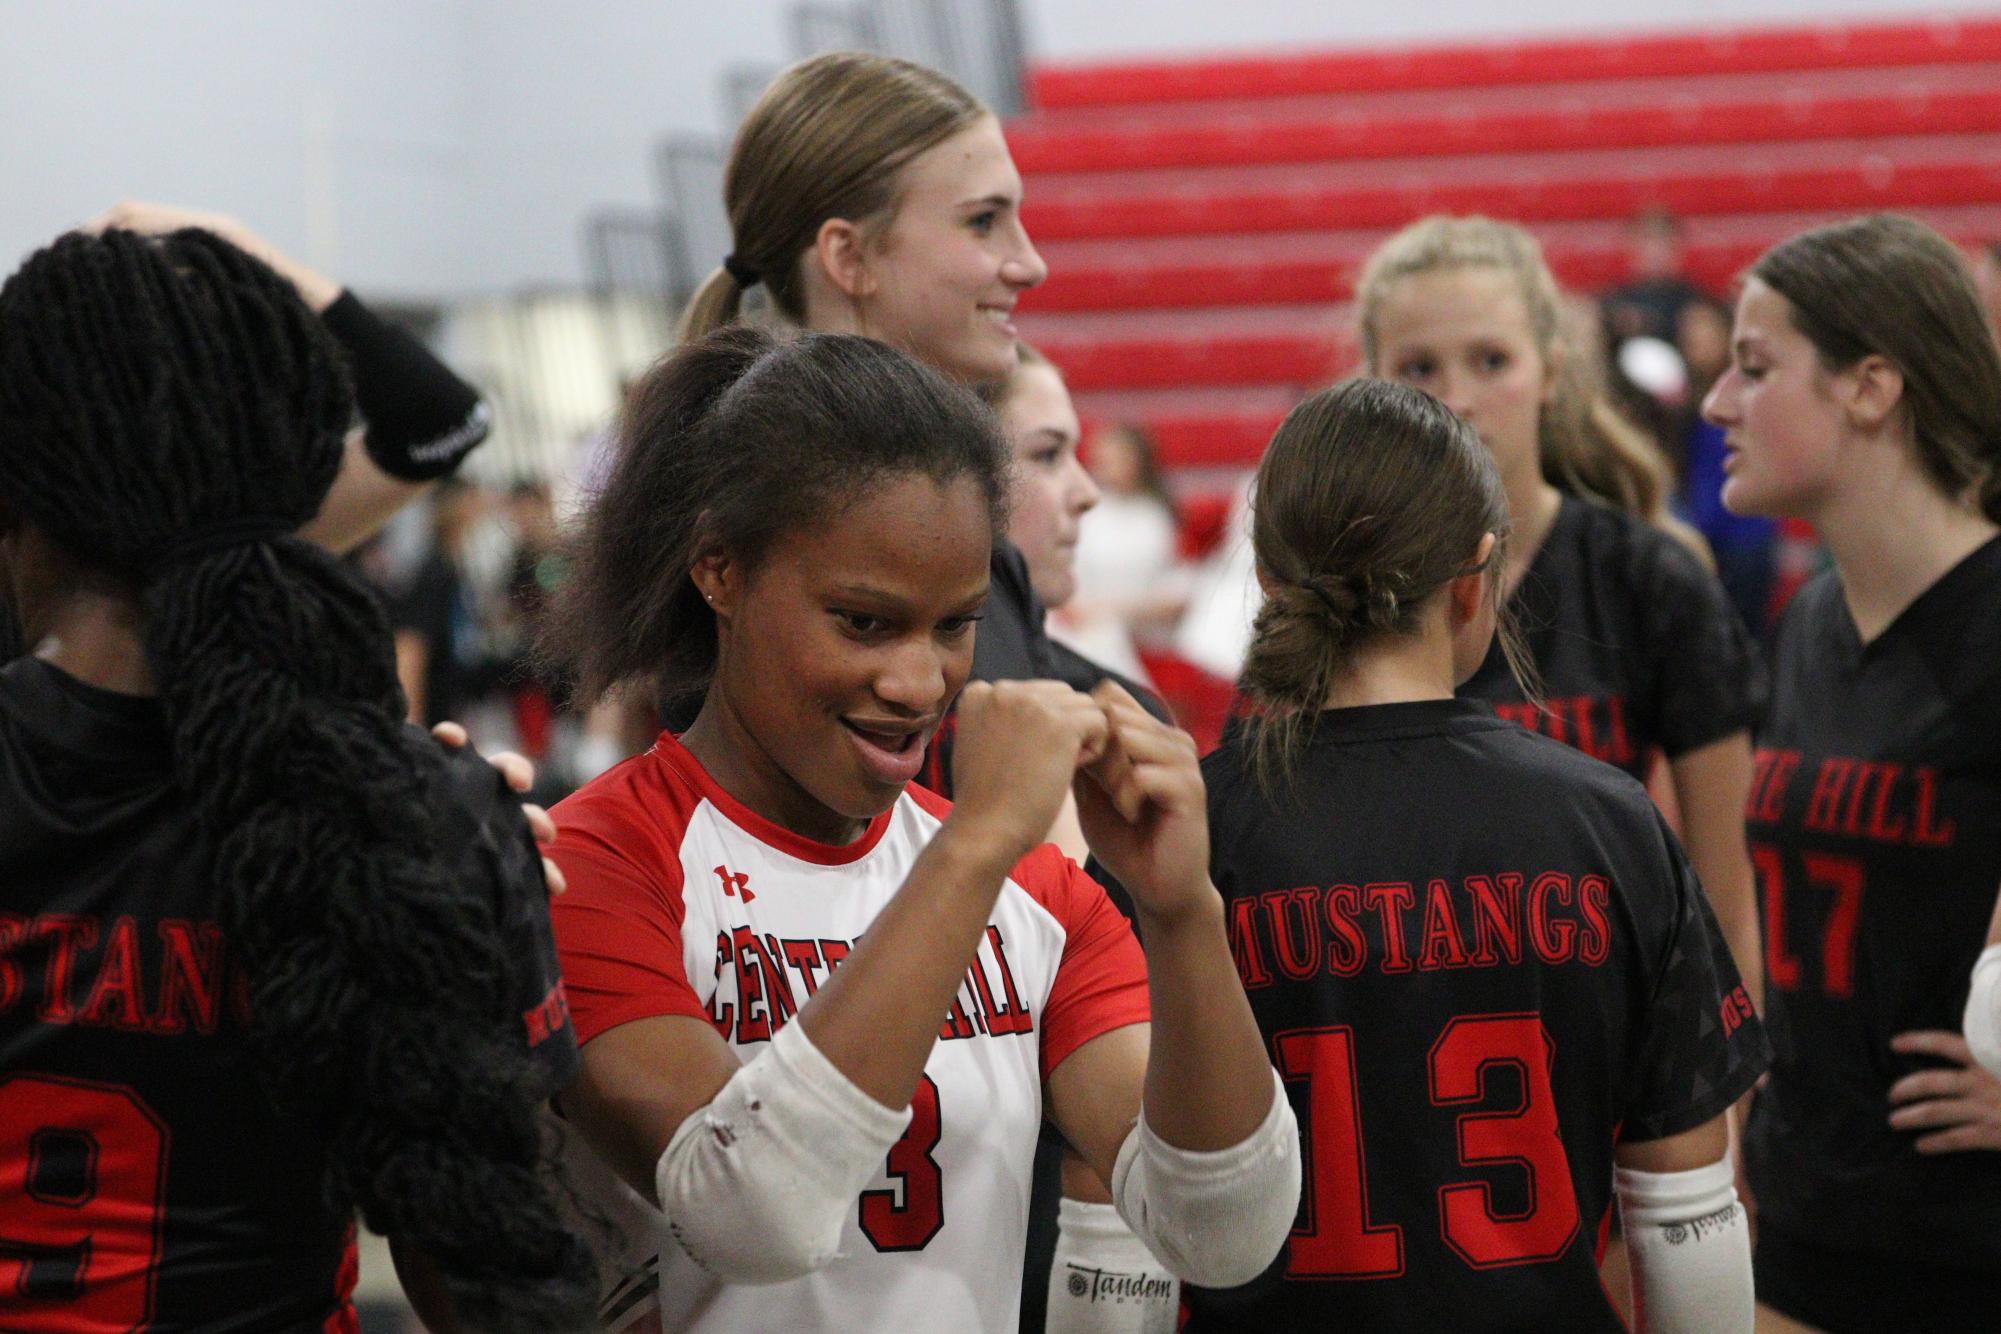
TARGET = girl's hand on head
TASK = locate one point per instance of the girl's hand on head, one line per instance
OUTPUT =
(137, 215)
(1144, 810)
(1959, 1105)
(1016, 747)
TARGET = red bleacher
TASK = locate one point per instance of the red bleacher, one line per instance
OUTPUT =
(1867, 103)
(1204, 220)
(1942, 41)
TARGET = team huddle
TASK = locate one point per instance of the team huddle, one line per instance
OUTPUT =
(921, 975)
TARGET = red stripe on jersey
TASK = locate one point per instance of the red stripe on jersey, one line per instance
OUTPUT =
(1101, 982)
(618, 927)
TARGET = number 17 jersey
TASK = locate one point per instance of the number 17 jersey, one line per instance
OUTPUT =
(1875, 826)
(1480, 961)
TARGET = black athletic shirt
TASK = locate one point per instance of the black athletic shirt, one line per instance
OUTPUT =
(1875, 825)
(1011, 644)
(147, 1184)
(1480, 960)
(1637, 644)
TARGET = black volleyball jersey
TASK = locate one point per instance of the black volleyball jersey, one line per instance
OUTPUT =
(1011, 644)
(1480, 960)
(145, 1182)
(1637, 645)
(1875, 827)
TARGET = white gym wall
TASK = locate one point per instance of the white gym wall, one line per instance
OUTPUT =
(432, 150)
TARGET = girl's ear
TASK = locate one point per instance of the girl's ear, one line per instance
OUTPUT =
(720, 582)
(1552, 367)
(1874, 388)
(1468, 589)
(841, 250)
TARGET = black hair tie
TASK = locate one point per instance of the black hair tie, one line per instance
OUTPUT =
(744, 274)
(200, 542)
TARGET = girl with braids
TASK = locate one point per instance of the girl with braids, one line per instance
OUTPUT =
(1488, 975)
(419, 420)
(1634, 641)
(1864, 395)
(267, 957)
(766, 921)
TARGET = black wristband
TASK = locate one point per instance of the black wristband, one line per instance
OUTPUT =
(420, 419)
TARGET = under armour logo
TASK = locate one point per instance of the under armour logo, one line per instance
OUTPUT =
(735, 883)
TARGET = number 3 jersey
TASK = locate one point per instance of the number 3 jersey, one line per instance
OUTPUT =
(1875, 826)
(682, 901)
(146, 1182)
(1480, 960)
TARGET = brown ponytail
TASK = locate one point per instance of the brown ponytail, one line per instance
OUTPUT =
(1371, 498)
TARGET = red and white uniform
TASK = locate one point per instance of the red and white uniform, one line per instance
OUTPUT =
(683, 902)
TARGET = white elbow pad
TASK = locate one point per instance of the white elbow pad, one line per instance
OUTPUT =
(1983, 1010)
(1215, 1219)
(757, 1185)
(1104, 1280)
(1690, 1244)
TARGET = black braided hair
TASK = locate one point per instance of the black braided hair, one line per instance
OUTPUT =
(170, 412)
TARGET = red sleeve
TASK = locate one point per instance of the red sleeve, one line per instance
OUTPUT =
(618, 931)
(1101, 980)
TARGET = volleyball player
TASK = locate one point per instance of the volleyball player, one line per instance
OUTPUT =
(1487, 973)
(1636, 645)
(267, 958)
(870, 195)
(874, 196)
(1864, 395)
(821, 1009)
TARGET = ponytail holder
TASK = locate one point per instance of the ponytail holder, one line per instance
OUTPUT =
(200, 542)
(744, 274)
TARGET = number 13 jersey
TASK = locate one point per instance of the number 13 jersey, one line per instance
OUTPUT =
(1480, 961)
(1875, 826)
(682, 901)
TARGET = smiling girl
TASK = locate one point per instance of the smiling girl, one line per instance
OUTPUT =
(874, 196)
(1864, 395)
(823, 1011)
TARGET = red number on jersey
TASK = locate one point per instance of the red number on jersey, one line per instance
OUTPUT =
(1842, 877)
(1336, 1239)
(909, 1226)
(1528, 1137)
(83, 1167)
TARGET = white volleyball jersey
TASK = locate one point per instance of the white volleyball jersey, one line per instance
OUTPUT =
(682, 901)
